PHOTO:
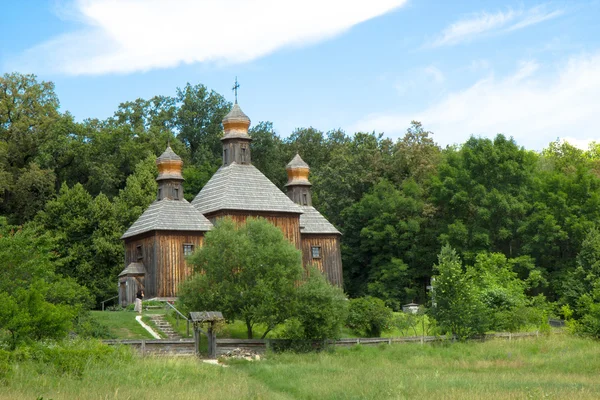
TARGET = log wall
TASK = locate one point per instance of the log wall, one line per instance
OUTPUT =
(163, 259)
(330, 262)
(288, 223)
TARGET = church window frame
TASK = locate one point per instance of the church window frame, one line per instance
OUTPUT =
(176, 193)
(304, 199)
(315, 252)
(139, 252)
(188, 249)
(225, 158)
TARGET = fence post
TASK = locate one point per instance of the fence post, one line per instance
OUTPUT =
(143, 347)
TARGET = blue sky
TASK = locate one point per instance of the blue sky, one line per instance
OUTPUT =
(527, 69)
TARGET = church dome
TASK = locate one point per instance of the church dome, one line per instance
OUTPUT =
(236, 123)
(169, 165)
(297, 171)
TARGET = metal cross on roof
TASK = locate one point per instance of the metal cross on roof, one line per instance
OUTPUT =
(235, 88)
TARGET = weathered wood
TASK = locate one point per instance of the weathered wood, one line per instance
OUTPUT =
(288, 223)
(163, 258)
(330, 262)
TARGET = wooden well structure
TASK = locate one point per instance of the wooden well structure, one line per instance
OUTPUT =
(211, 318)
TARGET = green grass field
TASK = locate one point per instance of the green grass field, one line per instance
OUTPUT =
(558, 367)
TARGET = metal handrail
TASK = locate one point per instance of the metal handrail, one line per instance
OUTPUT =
(102, 302)
(182, 316)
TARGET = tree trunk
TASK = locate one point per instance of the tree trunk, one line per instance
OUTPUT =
(249, 327)
(265, 334)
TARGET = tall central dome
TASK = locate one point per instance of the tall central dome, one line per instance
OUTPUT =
(236, 141)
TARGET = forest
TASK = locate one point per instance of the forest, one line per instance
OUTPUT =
(69, 189)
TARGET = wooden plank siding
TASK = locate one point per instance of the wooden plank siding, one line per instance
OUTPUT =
(330, 262)
(163, 259)
(148, 258)
(288, 223)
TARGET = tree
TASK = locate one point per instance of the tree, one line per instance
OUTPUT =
(457, 304)
(320, 310)
(369, 316)
(86, 232)
(482, 195)
(248, 272)
(36, 302)
(198, 121)
(383, 244)
(33, 189)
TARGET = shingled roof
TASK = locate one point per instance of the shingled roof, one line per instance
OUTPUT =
(169, 154)
(242, 187)
(169, 215)
(297, 162)
(236, 115)
(134, 268)
(311, 221)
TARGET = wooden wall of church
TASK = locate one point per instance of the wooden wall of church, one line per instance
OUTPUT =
(330, 260)
(163, 258)
(288, 223)
(146, 241)
(173, 269)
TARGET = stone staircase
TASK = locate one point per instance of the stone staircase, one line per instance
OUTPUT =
(164, 326)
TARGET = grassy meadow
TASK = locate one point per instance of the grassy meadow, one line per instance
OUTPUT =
(555, 367)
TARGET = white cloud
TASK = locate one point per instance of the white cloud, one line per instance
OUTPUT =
(583, 144)
(478, 65)
(477, 24)
(533, 105)
(137, 35)
(435, 74)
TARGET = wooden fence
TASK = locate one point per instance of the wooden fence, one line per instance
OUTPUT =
(185, 347)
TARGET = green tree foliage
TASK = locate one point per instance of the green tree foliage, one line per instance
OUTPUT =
(268, 153)
(139, 192)
(582, 289)
(320, 310)
(198, 120)
(248, 273)
(87, 233)
(486, 296)
(36, 302)
(457, 305)
(382, 241)
(482, 195)
(566, 205)
(369, 316)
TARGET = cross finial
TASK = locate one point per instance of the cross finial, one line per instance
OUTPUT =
(235, 88)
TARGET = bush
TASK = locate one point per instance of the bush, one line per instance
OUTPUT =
(73, 357)
(369, 316)
(87, 326)
(5, 366)
(320, 311)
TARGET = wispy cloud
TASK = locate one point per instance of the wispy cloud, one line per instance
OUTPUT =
(122, 36)
(435, 74)
(485, 23)
(534, 105)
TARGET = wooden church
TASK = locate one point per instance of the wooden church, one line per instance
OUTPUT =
(172, 228)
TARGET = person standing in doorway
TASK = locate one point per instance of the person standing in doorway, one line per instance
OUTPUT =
(138, 301)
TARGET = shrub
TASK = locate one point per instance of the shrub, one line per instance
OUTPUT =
(5, 366)
(369, 316)
(320, 311)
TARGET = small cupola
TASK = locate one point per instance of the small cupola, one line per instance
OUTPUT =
(236, 141)
(169, 176)
(298, 186)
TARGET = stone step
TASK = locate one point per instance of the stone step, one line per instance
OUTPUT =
(164, 326)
